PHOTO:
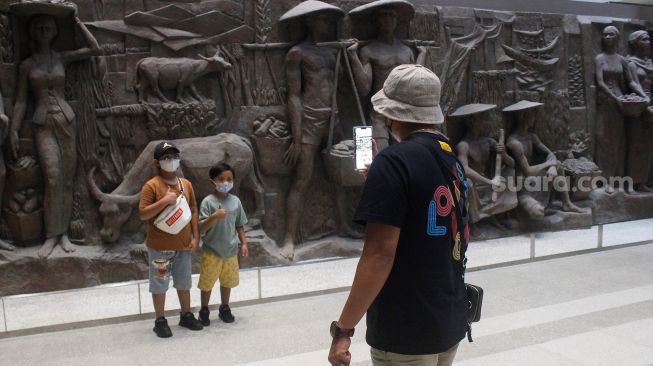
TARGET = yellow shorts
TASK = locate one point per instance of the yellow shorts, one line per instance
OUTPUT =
(213, 267)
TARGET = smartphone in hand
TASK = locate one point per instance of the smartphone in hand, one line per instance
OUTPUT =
(363, 146)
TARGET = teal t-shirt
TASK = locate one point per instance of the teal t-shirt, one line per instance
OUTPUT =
(222, 238)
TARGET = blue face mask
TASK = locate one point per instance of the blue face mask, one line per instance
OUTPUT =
(224, 187)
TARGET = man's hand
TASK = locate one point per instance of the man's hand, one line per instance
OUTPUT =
(353, 49)
(375, 151)
(501, 149)
(552, 172)
(194, 244)
(244, 249)
(4, 126)
(220, 214)
(170, 197)
(339, 354)
(498, 183)
(292, 154)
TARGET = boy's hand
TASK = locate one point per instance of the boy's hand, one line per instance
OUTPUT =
(170, 197)
(194, 243)
(220, 214)
(244, 249)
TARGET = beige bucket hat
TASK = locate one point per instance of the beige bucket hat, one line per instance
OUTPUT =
(311, 7)
(411, 93)
(521, 105)
(474, 108)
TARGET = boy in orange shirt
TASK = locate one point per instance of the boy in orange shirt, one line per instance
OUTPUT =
(169, 254)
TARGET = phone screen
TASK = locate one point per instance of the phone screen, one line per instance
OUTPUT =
(363, 140)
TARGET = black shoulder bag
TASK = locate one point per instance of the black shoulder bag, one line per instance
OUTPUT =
(474, 293)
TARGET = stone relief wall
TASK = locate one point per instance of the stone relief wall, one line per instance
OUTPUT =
(274, 89)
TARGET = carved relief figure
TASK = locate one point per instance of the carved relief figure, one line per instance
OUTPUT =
(53, 123)
(524, 146)
(4, 129)
(310, 74)
(485, 162)
(611, 78)
(640, 133)
(154, 74)
(372, 63)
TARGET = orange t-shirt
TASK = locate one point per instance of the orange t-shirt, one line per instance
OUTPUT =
(153, 190)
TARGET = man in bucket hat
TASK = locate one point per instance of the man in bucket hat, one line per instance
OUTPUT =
(409, 278)
(372, 63)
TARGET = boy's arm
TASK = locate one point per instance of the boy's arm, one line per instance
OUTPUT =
(195, 242)
(243, 240)
(148, 207)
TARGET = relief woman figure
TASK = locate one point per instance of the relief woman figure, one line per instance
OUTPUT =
(44, 74)
(640, 133)
(612, 77)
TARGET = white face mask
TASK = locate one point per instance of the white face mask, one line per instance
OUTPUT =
(224, 187)
(170, 165)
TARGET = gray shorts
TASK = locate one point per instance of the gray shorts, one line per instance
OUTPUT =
(163, 264)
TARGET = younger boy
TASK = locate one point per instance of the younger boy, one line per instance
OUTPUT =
(221, 222)
(169, 254)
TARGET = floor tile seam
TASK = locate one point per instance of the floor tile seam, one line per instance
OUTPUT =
(551, 345)
(576, 307)
(523, 337)
(465, 361)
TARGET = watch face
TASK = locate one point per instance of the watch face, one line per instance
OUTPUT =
(334, 329)
(337, 332)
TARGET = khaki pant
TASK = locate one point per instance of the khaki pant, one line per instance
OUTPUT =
(382, 358)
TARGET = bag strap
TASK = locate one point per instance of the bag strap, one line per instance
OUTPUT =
(181, 186)
(459, 210)
(450, 183)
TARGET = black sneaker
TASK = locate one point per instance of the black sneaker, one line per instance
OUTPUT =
(161, 328)
(188, 321)
(225, 314)
(204, 316)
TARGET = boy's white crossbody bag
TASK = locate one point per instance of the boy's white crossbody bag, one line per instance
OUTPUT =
(175, 217)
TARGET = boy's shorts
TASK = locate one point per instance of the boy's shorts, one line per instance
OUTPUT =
(163, 264)
(213, 267)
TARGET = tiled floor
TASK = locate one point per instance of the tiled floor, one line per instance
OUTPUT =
(552, 312)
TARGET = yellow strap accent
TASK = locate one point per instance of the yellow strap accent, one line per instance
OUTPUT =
(444, 146)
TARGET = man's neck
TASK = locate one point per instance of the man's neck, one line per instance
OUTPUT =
(388, 38)
(472, 135)
(316, 38)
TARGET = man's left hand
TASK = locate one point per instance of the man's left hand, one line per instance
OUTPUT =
(375, 151)
(339, 354)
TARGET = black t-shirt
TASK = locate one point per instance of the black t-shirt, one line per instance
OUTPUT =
(422, 307)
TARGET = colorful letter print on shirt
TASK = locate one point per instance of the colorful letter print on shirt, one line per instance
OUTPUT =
(447, 203)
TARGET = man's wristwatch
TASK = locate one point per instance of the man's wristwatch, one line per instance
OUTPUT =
(338, 332)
